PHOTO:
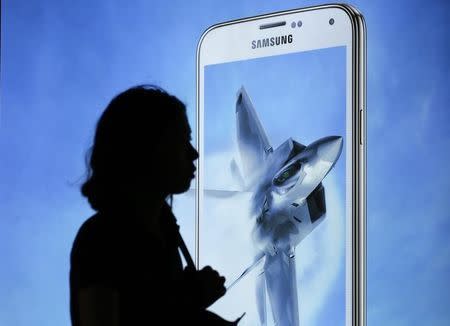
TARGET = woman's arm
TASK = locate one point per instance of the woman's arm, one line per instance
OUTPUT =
(98, 306)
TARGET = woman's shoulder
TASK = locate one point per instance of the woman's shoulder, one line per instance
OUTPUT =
(92, 227)
(95, 255)
(96, 234)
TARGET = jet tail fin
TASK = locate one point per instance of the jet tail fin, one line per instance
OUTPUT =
(253, 143)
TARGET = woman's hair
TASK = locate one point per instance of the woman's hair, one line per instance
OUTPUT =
(133, 123)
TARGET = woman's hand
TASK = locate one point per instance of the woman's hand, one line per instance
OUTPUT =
(209, 285)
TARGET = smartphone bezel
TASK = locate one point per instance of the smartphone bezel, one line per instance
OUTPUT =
(357, 39)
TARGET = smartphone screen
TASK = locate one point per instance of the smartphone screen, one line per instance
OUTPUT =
(275, 190)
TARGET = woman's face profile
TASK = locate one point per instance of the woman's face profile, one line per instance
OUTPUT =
(175, 158)
(181, 165)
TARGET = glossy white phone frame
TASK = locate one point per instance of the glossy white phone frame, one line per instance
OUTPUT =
(231, 41)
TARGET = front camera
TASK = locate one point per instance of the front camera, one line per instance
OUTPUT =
(331, 21)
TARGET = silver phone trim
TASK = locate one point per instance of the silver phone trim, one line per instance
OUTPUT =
(359, 152)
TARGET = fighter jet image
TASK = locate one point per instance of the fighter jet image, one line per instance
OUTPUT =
(287, 203)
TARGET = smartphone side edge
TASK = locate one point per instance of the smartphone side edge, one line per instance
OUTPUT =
(359, 149)
(359, 124)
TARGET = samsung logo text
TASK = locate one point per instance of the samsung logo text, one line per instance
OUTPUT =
(272, 41)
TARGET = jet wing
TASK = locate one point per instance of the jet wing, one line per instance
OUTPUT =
(217, 193)
(252, 140)
(256, 262)
(282, 288)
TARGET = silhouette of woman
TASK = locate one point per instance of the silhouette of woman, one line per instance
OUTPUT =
(125, 264)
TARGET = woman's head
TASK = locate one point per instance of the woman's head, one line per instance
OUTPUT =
(141, 145)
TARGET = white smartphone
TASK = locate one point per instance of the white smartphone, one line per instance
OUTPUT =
(280, 200)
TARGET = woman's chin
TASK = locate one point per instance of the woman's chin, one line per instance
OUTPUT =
(179, 189)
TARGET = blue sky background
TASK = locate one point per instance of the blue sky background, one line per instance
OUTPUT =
(302, 96)
(62, 61)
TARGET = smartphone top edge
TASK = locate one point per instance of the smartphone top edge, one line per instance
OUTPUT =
(356, 18)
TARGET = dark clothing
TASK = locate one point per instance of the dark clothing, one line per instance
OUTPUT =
(112, 250)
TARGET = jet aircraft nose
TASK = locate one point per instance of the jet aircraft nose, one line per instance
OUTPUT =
(329, 148)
